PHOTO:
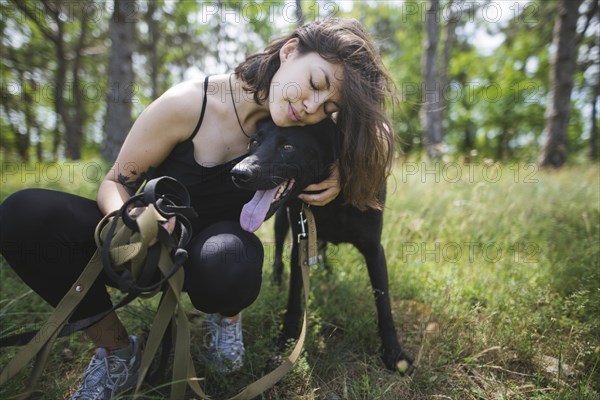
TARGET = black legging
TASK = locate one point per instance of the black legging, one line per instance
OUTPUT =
(48, 238)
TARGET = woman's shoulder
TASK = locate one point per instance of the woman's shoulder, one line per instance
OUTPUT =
(184, 96)
(179, 107)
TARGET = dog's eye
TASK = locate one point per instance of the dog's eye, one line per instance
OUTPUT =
(288, 147)
(252, 144)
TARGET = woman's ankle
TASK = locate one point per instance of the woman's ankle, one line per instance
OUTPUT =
(230, 318)
(108, 333)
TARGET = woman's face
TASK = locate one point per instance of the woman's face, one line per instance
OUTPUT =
(305, 89)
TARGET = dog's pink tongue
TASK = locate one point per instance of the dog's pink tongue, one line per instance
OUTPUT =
(254, 212)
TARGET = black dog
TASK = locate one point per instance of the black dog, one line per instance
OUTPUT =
(280, 164)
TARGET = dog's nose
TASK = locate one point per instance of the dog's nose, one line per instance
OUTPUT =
(243, 173)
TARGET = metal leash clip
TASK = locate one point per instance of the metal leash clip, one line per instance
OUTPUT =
(302, 223)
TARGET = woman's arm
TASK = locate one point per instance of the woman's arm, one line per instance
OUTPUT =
(330, 189)
(168, 120)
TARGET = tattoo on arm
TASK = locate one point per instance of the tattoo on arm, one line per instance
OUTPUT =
(134, 180)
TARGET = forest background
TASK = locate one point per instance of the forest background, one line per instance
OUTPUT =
(474, 78)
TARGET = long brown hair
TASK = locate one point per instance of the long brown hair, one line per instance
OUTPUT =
(367, 134)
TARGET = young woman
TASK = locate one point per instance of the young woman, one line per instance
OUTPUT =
(196, 132)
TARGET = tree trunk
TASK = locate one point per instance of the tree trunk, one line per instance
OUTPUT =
(54, 34)
(120, 78)
(63, 90)
(152, 43)
(431, 112)
(502, 148)
(554, 152)
(593, 144)
(449, 37)
(60, 106)
(24, 105)
(468, 142)
(76, 116)
(299, 13)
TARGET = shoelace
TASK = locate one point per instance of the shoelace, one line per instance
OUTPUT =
(223, 336)
(99, 368)
(94, 374)
(211, 336)
(117, 379)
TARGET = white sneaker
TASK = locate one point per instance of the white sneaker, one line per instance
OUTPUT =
(226, 342)
(108, 375)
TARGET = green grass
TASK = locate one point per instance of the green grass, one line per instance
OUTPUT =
(495, 286)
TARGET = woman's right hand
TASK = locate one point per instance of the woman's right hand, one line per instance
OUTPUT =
(168, 224)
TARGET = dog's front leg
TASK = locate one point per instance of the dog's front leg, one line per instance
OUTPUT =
(291, 320)
(393, 356)
(281, 228)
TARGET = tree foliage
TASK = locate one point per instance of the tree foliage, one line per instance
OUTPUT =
(55, 84)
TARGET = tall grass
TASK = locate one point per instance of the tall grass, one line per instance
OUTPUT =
(495, 286)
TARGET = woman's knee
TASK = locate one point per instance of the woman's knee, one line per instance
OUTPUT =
(35, 211)
(21, 220)
(47, 223)
(17, 207)
(224, 270)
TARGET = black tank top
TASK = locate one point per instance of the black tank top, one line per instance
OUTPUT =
(214, 196)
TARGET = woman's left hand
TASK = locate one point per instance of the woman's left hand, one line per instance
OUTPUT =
(330, 186)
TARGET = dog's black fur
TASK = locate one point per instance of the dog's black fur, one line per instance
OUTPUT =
(272, 161)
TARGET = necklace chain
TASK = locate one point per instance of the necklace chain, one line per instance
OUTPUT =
(235, 109)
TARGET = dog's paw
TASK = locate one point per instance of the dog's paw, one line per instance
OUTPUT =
(275, 361)
(405, 366)
(284, 342)
(399, 361)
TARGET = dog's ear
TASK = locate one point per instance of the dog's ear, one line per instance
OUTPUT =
(329, 136)
(326, 133)
(337, 141)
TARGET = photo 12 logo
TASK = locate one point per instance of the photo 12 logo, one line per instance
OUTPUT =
(473, 10)
(270, 11)
(452, 172)
(85, 91)
(69, 171)
(67, 11)
(472, 252)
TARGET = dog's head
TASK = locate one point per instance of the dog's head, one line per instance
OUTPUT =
(281, 163)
